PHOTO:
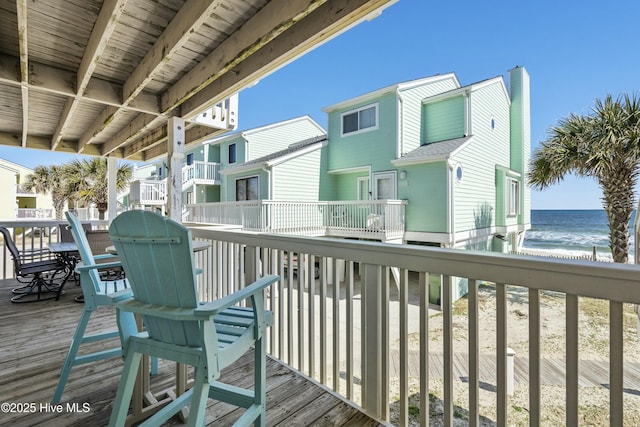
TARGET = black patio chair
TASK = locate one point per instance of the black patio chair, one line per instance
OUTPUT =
(38, 269)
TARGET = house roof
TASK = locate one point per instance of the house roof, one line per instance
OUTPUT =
(273, 159)
(246, 134)
(389, 89)
(103, 78)
(470, 88)
(434, 151)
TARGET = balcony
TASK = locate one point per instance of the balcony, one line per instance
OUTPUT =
(366, 219)
(379, 344)
(22, 192)
(153, 192)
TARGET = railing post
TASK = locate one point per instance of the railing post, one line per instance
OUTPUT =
(373, 398)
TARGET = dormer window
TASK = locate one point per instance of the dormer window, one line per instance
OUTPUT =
(360, 120)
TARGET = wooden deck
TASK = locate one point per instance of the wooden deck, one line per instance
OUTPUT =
(34, 338)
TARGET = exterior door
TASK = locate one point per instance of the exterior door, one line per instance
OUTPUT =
(384, 185)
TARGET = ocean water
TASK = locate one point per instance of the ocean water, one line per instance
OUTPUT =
(571, 233)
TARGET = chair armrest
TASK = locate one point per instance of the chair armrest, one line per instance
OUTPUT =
(105, 256)
(205, 312)
(216, 307)
(86, 267)
(162, 311)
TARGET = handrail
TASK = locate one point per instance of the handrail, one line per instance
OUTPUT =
(317, 332)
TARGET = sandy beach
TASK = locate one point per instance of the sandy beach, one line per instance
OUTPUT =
(593, 344)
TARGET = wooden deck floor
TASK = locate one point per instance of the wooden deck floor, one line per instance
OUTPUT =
(34, 338)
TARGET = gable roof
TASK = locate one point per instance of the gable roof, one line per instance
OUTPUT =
(294, 150)
(434, 151)
(248, 132)
(389, 89)
(470, 88)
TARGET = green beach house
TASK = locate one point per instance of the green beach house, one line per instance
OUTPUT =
(457, 155)
(427, 162)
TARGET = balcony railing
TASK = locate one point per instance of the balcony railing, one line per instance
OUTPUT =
(23, 213)
(369, 219)
(148, 192)
(354, 329)
(201, 173)
(154, 191)
(21, 191)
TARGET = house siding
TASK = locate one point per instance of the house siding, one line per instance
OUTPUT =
(375, 147)
(425, 189)
(475, 196)
(280, 137)
(8, 195)
(298, 178)
(411, 111)
(443, 119)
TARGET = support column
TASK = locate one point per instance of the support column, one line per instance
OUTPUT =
(175, 155)
(372, 370)
(112, 188)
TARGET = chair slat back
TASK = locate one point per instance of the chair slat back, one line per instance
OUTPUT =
(157, 257)
(13, 249)
(84, 249)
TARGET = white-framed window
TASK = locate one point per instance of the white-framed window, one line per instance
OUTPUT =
(513, 197)
(362, 119)
(247, 188)
(363, 188)
(232, 153)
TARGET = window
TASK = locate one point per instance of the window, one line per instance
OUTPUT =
(189, 159)
(362, 119)
(513, 203)
(247, 188)
(232, 153)
(363, 188)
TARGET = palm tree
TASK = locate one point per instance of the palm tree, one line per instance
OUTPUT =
(45, 179)
(87, 181)
(604, 145)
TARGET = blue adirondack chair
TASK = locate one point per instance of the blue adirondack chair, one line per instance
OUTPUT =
(157, 257)
(97, 292)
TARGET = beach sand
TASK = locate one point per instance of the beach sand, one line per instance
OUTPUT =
(593, 347)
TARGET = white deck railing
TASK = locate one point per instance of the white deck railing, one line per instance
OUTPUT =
(342, 335)
(148, 192)
(372, 219)
(154, 191)
(24, 213)
(349, 336)
(201, 173)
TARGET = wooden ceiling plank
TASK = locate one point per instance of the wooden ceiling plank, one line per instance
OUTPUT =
(102, 30)
(106, 116)
(270, 21)
(328, 21)
(189, 19)
(101, 33)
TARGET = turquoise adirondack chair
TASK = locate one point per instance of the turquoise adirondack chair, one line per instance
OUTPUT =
(97, 292)
(157, 258)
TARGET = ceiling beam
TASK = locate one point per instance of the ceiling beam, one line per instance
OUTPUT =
(21, 14)
(188, 20)
(133, 130)
(327, 21)
(57, 81)
(154, 145)
(270, 21)
(102, 30)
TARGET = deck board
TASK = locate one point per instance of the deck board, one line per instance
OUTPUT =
(34, 338)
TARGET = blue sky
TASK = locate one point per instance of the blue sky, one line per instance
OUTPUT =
(574, 51)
